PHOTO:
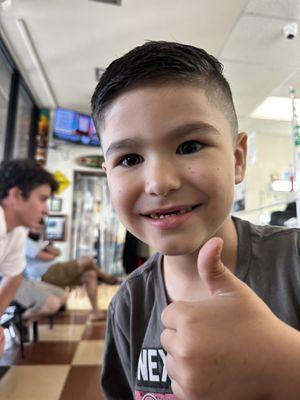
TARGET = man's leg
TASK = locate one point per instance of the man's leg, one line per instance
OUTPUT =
(76, 272)
(8, 288)
(90, 283)
(39, 298)
(51, 305)
(87, 263)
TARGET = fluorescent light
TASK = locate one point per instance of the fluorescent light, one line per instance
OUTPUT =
(277, 108)
(36, 61)
(5, 4)
(284, 186)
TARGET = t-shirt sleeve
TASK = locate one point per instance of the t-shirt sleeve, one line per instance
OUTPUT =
(14, 261)
(33, 247)
(116, 362)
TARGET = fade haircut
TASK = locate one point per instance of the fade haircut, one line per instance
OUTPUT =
(26, 174)
(159, 62)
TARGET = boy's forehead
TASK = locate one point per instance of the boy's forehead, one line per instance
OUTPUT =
(157, 104)
(154, 97)
(155, 88)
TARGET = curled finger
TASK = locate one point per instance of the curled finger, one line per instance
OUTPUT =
(168, 340)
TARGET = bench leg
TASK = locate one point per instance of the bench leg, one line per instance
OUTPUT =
(20, 327)
(35, 332)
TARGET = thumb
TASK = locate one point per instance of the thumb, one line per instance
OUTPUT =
(215, 276)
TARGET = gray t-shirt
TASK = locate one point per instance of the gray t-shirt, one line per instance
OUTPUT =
(133, 368)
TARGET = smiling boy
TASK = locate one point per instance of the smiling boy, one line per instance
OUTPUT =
(183, 326)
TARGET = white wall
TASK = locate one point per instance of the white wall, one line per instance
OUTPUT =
(274, 155)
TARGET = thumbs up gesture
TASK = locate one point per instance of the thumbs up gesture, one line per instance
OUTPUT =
(229, 345)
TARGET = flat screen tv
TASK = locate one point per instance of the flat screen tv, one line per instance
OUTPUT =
(74, 127)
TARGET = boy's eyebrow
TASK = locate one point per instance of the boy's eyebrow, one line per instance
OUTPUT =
(122, 144)
(204, 127)
(181, 130)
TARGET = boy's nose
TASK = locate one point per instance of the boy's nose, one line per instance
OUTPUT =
(162, 179)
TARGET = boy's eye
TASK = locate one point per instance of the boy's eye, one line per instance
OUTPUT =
(131, 160)
(191, 146)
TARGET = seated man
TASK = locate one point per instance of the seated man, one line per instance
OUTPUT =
(41, 265)
(25, 188)
(39, 299)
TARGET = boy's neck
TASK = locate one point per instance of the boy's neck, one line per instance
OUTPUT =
(182, 280)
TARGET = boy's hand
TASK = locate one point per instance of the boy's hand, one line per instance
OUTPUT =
(226, 346)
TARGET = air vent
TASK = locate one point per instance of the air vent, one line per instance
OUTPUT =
(98, 73)
(113, 2)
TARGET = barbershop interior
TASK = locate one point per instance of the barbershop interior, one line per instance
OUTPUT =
(52, 54)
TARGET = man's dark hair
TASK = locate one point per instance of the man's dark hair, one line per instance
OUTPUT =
(159, 62)
(25, 174)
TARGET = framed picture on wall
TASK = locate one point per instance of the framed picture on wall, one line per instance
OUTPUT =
(55, 227)
(55, 204)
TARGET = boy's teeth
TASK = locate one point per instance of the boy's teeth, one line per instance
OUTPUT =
(161, 216)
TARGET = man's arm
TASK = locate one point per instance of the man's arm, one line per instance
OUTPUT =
(45, 256)
(2, 340)
(48, 253)
(8, 288)
(52, 249)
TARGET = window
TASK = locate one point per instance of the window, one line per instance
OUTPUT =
(5, 80)
(23, 125)
(18, 111)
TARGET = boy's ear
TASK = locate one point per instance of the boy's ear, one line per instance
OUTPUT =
(104, 167)
(240, 155)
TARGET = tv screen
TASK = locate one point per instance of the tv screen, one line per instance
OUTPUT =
(74, 127)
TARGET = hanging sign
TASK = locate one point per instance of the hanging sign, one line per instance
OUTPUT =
(62, 180)
(90, 161)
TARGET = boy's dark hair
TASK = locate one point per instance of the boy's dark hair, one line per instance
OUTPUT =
(159, 62)
(25, 174)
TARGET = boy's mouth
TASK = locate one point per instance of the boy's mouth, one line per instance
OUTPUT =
(167, 214)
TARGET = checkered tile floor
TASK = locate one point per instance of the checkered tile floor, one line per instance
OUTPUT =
(65, 363)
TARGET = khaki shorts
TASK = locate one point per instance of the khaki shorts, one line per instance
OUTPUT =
(33, 294)
(63, 274)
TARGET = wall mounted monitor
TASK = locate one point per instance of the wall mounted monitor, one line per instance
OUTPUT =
(71, 126)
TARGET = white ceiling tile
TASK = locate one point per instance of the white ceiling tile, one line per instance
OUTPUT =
(286, 9)
(284, 89)
(264, 127)
(244, 104)
(259, 40)
(254, 80)
(72, 37)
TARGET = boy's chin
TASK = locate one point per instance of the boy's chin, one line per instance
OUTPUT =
(178, 251)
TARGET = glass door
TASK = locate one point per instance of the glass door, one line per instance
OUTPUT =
(96, 230)
(23, 129)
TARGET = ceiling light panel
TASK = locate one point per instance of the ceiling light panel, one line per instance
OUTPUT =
(113, 2)
(276, 108)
